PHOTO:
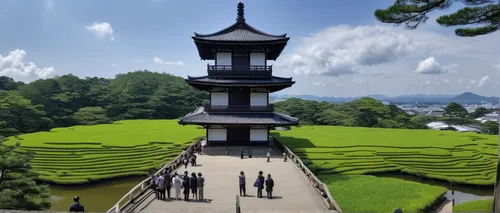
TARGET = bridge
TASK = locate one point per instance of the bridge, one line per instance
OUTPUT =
(296, 188)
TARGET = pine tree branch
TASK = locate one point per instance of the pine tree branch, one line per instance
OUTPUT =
(488, 15)
(410, 12)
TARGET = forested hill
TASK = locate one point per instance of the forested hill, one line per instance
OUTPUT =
(68, 100)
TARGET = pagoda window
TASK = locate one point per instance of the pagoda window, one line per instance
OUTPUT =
(217, 133)
(223, 59)
(259, 134)
(219, 98)
(258, 99)
(257, 59)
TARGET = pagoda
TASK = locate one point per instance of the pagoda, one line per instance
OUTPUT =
(239, 82)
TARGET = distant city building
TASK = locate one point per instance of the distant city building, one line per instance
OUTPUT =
(489, 117)
(459, 128)
(436, 112)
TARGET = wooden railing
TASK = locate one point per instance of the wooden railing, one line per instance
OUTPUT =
(229, 70)
(238, 108)
(320, 187)
(143, 186)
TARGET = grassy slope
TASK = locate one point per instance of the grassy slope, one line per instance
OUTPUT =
(458, 157)
(81, 154)
(340, 154)
(474, 206)
(365, 193)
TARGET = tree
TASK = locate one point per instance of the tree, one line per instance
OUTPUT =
(455, 110)
(91, 116)
(479, 112)
(19, 114)
(7, 83)
(414, 12)
(18, 187)
(490, 127)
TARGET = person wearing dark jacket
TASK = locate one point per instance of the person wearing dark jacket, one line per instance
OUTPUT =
(185, 186)
(260, 184)
(193, 183)
(76, 207)
(168, 182)
(269, 186)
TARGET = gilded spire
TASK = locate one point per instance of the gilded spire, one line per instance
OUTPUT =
(241, 12)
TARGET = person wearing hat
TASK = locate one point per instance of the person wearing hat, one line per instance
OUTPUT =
(76, 207)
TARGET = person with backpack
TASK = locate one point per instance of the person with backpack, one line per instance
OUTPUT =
(259, 183)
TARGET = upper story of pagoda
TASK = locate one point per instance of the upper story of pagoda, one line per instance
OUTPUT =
(240, 49)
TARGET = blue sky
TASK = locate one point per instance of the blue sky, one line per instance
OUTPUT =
(58, 35)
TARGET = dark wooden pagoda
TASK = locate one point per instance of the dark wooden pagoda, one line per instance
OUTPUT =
(239, 82)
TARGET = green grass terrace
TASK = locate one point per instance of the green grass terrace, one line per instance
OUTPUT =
(344, 156)
(82, 154)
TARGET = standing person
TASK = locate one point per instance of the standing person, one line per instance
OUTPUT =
(168, 182)
(177, 182)
(193, 160)
(285, 155)
(241, 153)
(193, 183)
(260, 184)
(76, 207)
(157, 192)
(152, 184)
(201, 184)
(269, 186)
(242, 181)
(161, 186)
(185, 161)
(268, 155)
(185, 186)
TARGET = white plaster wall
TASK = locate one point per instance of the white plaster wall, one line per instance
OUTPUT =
(258, 99)
(258, 135)
(219, 99)
(223, 59)
(217, 134)
(257, 59)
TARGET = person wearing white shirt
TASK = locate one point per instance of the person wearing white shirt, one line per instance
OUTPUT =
(177, 184)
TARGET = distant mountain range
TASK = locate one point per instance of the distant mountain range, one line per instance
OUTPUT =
(465, 98)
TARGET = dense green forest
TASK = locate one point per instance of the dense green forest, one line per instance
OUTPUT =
(69, 100)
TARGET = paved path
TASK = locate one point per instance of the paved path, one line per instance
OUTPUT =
(292, 192)
(446, 207)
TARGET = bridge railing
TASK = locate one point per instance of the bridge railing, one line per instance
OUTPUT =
(143, 186)
(320, 187)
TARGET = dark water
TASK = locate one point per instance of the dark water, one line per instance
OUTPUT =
(456, 193)
(97, 197)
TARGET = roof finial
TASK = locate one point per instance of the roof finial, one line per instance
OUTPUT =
(241, 12)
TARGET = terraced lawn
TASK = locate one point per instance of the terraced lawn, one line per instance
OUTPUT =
(343, 156)
(81, 154)
(467, 158)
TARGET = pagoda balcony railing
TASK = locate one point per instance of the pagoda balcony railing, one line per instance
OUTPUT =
(229, 70)
(238, 108)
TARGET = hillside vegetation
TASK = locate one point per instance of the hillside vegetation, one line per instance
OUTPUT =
(82, 154)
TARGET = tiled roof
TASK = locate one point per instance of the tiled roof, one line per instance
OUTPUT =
(241, 81)
(202, 117)
(240, 31)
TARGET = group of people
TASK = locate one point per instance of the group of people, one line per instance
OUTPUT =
(163, 183)
(259, 183)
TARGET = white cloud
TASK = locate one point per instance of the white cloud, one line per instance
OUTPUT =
(432, 66)
(496, 66)
(460, 81)
(161, 61)
(343, 49)
(113, 64)
(484, 80)
(14, 65)
(102, 30)
(320, 84)
(472, 82)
